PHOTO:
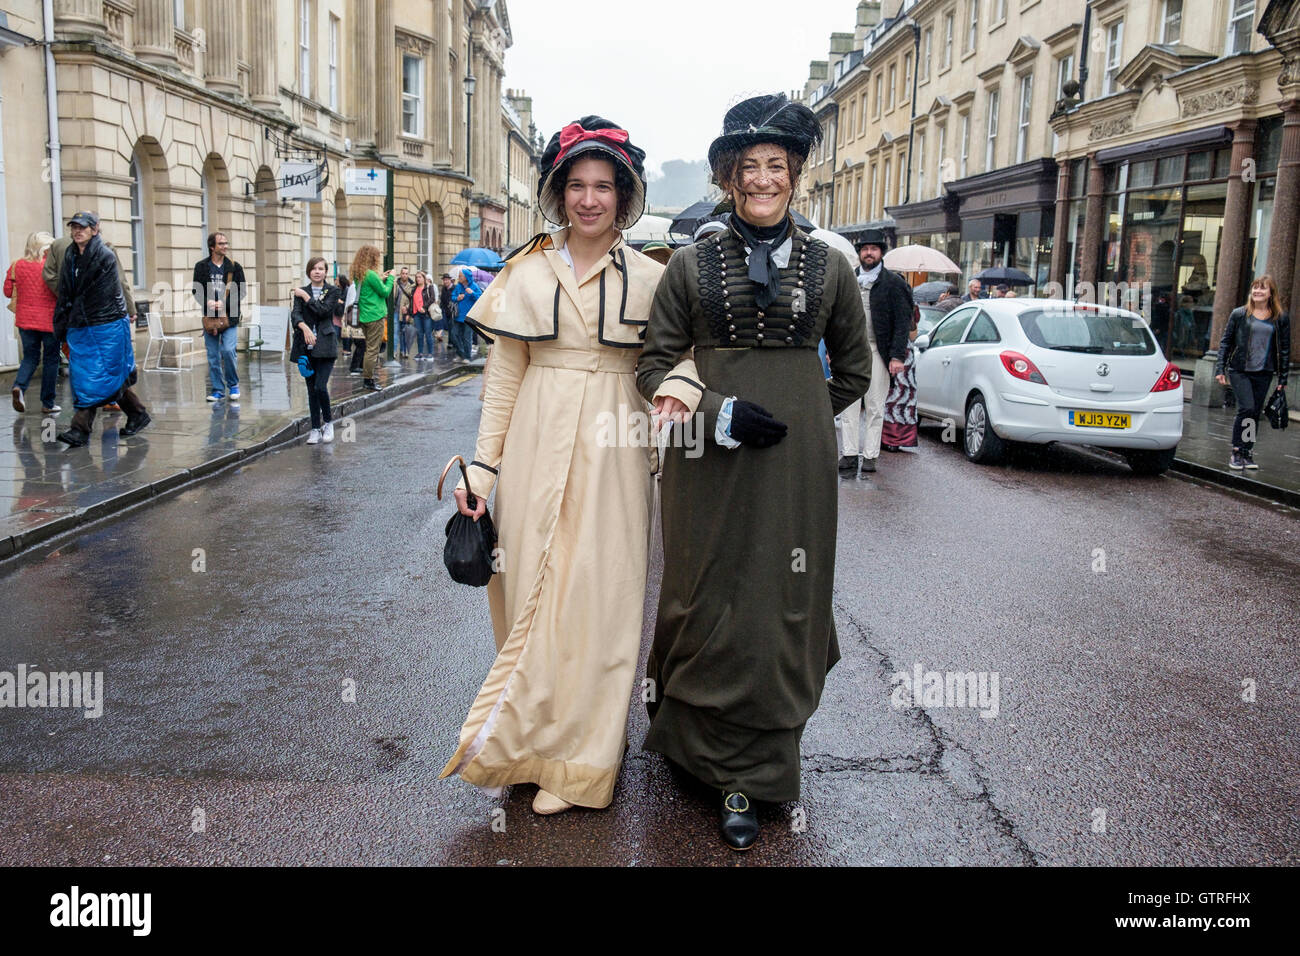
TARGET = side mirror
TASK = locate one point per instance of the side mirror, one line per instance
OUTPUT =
(922, 342)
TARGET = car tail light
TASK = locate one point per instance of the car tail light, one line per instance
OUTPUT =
(1171, 378)
(1019, 366)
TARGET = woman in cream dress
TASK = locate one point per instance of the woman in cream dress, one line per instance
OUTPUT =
(574, 492)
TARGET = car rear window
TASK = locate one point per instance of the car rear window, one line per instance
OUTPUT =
(1094, 331)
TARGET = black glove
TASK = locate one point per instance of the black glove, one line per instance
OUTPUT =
(754, 425)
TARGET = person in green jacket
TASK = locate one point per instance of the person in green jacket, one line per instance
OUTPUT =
(373, 292)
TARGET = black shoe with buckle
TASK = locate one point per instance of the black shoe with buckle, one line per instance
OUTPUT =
(74, 437)
(849, 466)
(739, 824)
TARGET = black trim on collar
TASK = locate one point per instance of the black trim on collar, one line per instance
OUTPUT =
(622, 309)
(555, 329)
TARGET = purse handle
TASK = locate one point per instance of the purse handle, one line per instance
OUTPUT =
(471, 500)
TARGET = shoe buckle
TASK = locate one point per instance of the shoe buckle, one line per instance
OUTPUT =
(727, 803)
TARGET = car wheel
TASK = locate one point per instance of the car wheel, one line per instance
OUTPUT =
(1150, 462)
(979, 441)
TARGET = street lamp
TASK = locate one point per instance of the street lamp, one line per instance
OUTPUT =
(469, 82)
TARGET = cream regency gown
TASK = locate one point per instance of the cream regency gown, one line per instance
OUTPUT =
(572, 512)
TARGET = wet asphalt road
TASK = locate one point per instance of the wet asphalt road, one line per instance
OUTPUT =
(1121, 736)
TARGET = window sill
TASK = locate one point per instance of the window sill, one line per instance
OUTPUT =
(994, 27)
(968, 55)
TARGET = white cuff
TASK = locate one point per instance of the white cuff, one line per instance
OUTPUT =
(722, 431)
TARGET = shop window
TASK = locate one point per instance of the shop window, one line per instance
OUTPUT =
(1170, 169)
(1199, 165)
(1223, 164)
(1268, 144)
(1142, 174)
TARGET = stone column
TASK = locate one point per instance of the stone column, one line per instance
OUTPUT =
(388, 82)
(1286, 205)
(1228, 293)
(442, 84)
(1090, 270)
(219, 64)
(362, 107)
(1061, 230)
(265, 81)
(79, 16)
(155, 32)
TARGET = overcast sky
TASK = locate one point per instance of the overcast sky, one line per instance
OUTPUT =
(666, 70)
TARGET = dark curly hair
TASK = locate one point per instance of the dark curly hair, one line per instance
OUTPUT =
(728, 163)
(624, 184)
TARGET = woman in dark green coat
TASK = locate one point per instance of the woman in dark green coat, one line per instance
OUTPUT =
(745, 636)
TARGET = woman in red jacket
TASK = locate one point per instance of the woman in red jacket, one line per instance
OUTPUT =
(34, 317)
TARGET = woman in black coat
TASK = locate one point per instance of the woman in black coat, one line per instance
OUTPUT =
(1256, 345)
(316, 344)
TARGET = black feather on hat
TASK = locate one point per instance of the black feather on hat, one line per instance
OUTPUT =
(767, 119)
(580, 136)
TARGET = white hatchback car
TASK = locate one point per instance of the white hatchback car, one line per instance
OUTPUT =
(1047, 370)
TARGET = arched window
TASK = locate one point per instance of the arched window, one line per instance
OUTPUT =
(425, 254)
(138, 272)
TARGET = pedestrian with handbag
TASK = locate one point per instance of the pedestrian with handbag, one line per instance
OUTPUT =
(422, 297)
(33, 307)
(218, 287)
(315, 344)
(1256, 345)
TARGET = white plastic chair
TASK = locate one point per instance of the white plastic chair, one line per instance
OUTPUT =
(156, 334)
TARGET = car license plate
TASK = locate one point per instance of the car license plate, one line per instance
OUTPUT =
(1099, 419)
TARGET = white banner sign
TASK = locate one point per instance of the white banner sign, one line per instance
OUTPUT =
(365, 182)
(299, 181)
(274, 322)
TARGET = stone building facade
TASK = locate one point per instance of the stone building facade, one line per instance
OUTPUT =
(1170, 177)
(180, 117)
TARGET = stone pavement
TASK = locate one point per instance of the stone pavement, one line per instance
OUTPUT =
(47, 488)
(1207, 443)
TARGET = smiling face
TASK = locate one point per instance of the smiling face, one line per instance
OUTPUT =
(762, 188)
(591, 197)
(870, 256)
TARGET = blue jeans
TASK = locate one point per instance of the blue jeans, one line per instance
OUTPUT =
(221, 355)
(33, 342)
(424, 334)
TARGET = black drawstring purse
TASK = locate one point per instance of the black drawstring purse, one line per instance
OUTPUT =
(1276, 409)
(470, 544)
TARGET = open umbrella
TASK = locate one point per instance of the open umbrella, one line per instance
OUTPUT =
(928, 292)
(1004, 275)
(919, 259)
(479, 258)
(839, 243)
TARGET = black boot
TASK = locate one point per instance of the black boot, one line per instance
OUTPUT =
(134, 423)
(739, 823)
(849, 466)
(74, 437)
(371, 384)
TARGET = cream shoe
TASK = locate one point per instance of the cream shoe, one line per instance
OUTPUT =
(547, 803)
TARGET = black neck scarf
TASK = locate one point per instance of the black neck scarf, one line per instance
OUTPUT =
(762, 270)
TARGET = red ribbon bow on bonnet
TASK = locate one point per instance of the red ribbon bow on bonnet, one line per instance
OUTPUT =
(576, 133)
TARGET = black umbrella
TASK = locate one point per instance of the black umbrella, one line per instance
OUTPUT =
(1002, 274)
(693, 216)
(928, 292)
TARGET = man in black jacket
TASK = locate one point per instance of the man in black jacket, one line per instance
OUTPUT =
(91, 316)
(887, 300)
(218, 287)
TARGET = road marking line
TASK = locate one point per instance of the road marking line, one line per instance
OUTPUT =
(457, 381)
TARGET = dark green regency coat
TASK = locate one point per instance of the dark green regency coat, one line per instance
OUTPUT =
(745, 635)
